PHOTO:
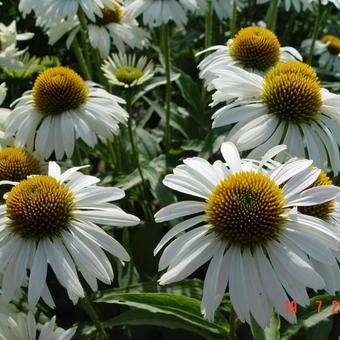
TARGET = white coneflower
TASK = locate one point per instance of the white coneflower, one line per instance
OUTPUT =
(61, 108)
(243, 223)
(114, 24)
(127, 70)
(8, 50)
(3, 92)
(52, 219)
(53, 10)
(118, 25)
(286, 106)
(159, 12)
(328, 212)
(24, 327)
(254, 48)
(222, 8)
(297, 5)
(328, 50)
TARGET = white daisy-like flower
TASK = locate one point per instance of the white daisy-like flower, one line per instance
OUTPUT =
(118, 25)
(245, 219)
(127, 70)
(328, 212)
(222, 8)
(114, 24)
(254, 48)
(3, 92)
(8, 50)
(328, 50)
(24, 327)
(54, 10)
(286, 106)
(53, 220)
(61, 108)
(297, 5)
(159, 12)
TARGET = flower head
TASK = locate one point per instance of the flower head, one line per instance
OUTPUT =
(126, 70)
(328, 51)
(286, 105)
(245, 222)
(158, 12)
(253, 48)
(53, 219)
(61, 108)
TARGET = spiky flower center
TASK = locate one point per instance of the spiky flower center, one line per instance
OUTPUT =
(256, 48)
(292, 92)
(333, 42)
(16, 164)
(128, 74)
(246, 208)
(324, 210)
(39, 207)
(110, 16)
(59, 89)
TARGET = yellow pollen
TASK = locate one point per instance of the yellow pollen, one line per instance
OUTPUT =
(333, 46)
(256, 48)
(292, 92)
(111, 16)
(16, 164)
(324, 210)
(39, 207)
(246, 208)
(59, 89)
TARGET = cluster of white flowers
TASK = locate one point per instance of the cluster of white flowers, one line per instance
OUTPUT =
(268, 224)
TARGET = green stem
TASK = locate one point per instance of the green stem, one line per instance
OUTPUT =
(272, 14)
(166, 54)
(132, 140)
(315, 34)
(208, 24)
(91, 312)
(233, 19)
(83, 33)
(81, 60)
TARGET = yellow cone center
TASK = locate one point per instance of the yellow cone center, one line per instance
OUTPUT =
(59, 89)
(333, 42)
(292, 92)
(39, 207)
(256, 48)
(246, 208)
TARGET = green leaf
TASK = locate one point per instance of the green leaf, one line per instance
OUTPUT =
(320, 331)
(148, 143)
(189, 287)
(138, 317)
(309, 316)
(185, 310)
(189, 91)
(157, 81)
